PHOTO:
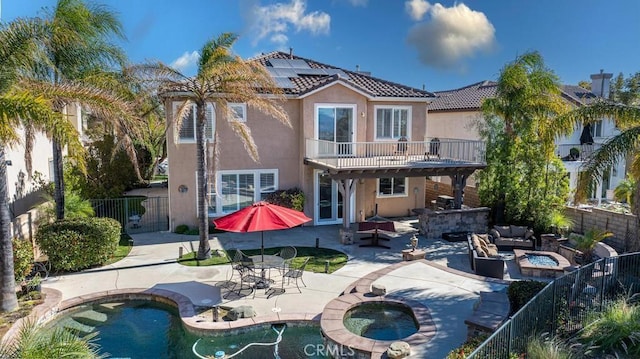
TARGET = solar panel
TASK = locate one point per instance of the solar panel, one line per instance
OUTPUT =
(280, 63)
(281, 72)
(284, 83)
(310, 71)
(298, 64)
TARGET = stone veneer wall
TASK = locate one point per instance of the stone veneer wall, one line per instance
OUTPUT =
(433, 189)
(433, 224)
(623, 226)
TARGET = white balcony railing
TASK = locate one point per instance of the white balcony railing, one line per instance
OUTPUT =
(576, 152)
(395, 153)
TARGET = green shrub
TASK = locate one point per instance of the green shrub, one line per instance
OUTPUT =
(22, 258)
(521, 292)
(545, 347)
(467, 347)
(79, 243)
(292, 198)
(192, 232)
(181, 229)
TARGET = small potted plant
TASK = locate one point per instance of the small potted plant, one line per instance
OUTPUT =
(32, 284)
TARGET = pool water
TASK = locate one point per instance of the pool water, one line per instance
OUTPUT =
(542, 260)
(381, 321)
(148, 329)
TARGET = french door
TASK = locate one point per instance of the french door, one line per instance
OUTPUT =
(334, 124)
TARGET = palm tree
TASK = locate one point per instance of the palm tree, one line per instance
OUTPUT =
(36, 342)
(76, 43)
(222, 78)
(20, 109)
(624, 190)
(627, 120)
(520, 134)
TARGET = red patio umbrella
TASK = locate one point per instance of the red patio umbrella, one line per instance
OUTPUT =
(260, 217)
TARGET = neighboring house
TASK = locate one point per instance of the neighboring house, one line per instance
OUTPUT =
(357, 141)
(455, 113)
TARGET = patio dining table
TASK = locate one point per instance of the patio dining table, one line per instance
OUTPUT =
(264, 263)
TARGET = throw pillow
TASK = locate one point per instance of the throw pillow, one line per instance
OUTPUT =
(481, 252)
(529, 234)
(505, 231)
(518, 231)
(494, 234)
(483, 238)
(492, 252)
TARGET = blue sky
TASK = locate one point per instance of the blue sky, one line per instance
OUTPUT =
(439, 45)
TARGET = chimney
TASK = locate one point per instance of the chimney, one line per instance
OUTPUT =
(291, 52)
(600, 84)
(357, 68)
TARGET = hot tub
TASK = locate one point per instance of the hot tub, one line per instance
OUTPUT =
(540, 264)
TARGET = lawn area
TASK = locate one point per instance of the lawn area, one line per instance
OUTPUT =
(124, 247)
(319, 256)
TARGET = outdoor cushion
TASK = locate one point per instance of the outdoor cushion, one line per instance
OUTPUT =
(484, 238)
(494, 234)
(481, 252)
(492, 252)
(505, 231)
(528, 234)
(518, 231)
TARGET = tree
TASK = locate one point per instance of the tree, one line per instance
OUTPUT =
(616, 148)
(222, 78)
(76, 43)
(626, 91)
(524, 181)
(20, 109)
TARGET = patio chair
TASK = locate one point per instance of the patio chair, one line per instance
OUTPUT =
(248, 279)
(296, 273)
(287, 254)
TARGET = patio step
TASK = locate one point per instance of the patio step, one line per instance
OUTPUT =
(90, 317)
(76, 327)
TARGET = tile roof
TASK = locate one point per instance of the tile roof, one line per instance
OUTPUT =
(306, 81)
(470, 97)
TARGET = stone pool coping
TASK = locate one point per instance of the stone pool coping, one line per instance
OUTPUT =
(53, 305)
(332, 323)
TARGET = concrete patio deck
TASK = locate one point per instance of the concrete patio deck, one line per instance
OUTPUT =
(442, 282)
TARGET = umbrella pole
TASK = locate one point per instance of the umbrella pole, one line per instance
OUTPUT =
(262, 244)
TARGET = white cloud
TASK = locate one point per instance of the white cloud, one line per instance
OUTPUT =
(357, 3)
(188, 60)
(274, 21)
(417, 8)
(451, 35)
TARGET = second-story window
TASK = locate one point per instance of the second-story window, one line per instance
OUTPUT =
(239, 111)
(596, 129)
(392, 122)
(188, 125)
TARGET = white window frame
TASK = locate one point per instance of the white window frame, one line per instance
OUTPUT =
(257, 194)
(212, 196)
(597, 129)
(383, 195)
(212, 122)
(243, 109)
(394, 136)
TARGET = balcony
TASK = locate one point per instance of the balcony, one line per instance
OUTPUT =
(583, 152)
(432, 153)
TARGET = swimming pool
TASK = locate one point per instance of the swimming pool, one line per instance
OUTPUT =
(148, 329)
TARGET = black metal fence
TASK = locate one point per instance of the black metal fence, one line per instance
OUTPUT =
(136, 214)
(563, 306)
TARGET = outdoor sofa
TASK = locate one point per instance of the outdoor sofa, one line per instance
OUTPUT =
(512, 237)
(483, 256)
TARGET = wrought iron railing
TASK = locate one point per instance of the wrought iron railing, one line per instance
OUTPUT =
(136, 214)
(394, 153)
(563, 306)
